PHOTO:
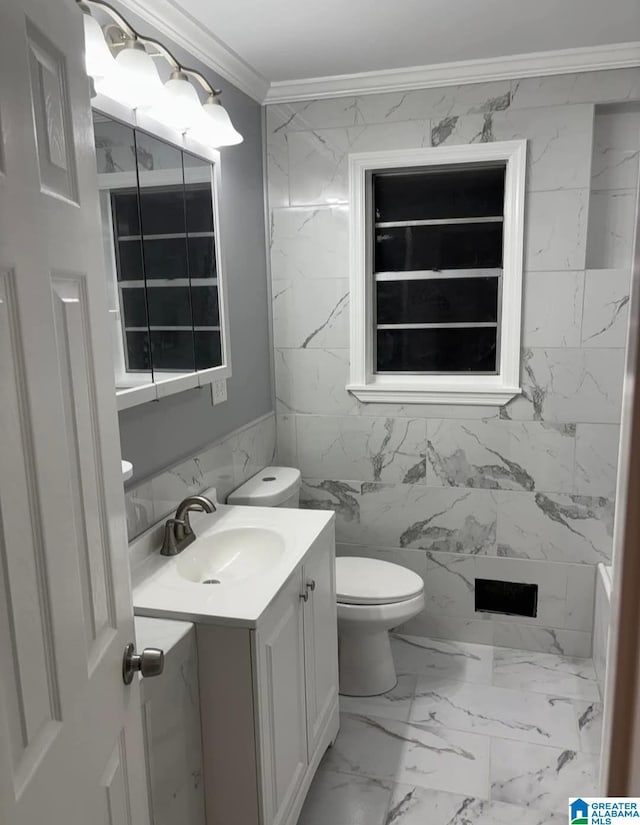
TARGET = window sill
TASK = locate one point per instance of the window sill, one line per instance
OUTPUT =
(399, 394)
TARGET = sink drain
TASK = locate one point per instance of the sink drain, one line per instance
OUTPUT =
(211, 581)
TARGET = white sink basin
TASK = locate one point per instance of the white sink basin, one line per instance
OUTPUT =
(227, 556)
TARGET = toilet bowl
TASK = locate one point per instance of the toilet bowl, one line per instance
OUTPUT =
(372, 595)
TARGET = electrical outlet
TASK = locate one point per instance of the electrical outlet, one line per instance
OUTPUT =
(219, 391)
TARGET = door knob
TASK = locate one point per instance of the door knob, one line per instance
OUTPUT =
(311, 584)
(148, 663)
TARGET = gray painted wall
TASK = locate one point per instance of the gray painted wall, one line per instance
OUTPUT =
(158, 434)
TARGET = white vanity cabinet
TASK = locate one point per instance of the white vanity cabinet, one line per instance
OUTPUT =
(282, 701)
(269, 698)
(320, 638)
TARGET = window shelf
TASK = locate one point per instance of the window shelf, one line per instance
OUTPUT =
(452, 325)
(165, 236)
(163, 283)
(173, 328)
(425, 274)
(437, 222)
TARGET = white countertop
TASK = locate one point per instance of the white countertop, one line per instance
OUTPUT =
(160, 591)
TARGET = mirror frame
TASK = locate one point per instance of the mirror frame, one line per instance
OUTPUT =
(155, 390)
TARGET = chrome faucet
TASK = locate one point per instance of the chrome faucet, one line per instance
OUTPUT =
(178, 532)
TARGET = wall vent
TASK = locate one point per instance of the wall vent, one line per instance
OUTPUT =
(507, 598)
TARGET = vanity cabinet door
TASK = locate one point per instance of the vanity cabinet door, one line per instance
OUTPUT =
(281, 701)
(321, 642)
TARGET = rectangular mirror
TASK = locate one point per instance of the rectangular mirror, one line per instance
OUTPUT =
(161, 252)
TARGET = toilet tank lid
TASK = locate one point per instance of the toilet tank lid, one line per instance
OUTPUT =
(373, 581)
(268, 488)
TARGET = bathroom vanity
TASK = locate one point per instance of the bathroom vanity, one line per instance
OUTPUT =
(259, 585)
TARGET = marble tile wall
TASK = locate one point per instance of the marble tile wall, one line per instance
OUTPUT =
(526, 491)
(224, 465)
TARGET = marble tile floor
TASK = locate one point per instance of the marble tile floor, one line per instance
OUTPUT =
(471, 735)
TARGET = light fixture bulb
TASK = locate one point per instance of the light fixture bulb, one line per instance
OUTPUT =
(180, 108)
(136, 81)
(215, 128)
(98, 59)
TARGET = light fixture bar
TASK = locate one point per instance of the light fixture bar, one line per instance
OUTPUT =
(130, 32)
(131, 77)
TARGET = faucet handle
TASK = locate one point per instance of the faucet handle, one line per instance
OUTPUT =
(170, 541)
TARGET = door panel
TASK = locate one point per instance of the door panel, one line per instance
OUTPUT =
(321, 642)
(70, 731)
(51, 115)
(114, 781)
(283, 736)
(81, 418)
(28, 654)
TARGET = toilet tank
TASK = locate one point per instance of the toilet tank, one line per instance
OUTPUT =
(271, 487)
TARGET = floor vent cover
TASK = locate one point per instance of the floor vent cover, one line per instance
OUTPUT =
(508, 598)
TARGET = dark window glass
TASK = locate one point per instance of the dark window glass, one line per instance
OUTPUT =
(138, 351)
(450, 300)
(208, 349)
(202, 257)
(172, 350)
(199, 208)
(433, 194)
(169, 306)
(166, 258)
(129, 261)
(452, 246)
(134, 307)
(205, 306)
(437, 350)
(126, 217)
(162, 210)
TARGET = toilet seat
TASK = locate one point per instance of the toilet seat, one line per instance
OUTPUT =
(365, 581)
(390, 614)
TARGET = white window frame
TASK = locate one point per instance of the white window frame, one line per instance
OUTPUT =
(456, 388)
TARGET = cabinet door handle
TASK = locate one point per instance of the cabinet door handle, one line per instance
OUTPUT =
(311, 584)
(305, 596)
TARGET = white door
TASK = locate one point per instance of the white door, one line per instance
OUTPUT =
(320, 640)
(71, 749)
(283, 733)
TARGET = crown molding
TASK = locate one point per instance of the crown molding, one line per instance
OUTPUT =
(199, 41)
(536, 64)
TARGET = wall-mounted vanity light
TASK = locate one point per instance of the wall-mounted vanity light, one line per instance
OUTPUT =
(121, 63)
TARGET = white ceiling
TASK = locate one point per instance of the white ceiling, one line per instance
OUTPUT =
(289, 40)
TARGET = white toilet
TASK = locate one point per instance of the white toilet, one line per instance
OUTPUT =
(372, 595)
